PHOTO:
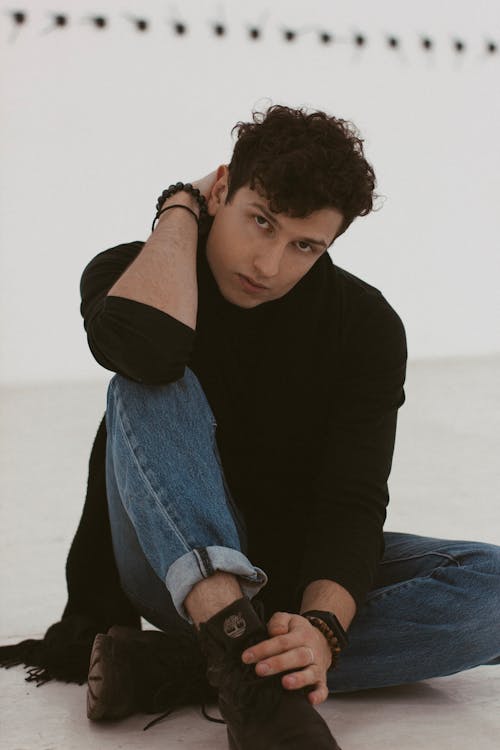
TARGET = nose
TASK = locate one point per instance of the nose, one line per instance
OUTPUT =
(267, 261)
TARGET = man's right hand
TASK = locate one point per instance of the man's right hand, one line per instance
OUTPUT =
(205, 184)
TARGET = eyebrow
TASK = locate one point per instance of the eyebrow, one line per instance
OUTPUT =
(273, 220)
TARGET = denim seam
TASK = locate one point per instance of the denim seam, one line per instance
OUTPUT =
(128, 434)
(395, 587)
(424, 554)
(198, 562)
(147, 481)
(205, 560)
(234, 510)
(405, 584)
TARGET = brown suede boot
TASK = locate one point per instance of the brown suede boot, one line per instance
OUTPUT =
(260, 714)
(133, 671)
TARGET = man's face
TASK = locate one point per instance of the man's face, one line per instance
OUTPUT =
(274, 250)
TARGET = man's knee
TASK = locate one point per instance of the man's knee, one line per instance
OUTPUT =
(165, 403)
(484, 558)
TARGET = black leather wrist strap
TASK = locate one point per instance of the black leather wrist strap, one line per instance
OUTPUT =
(175, 205)
(331, 628)
(171, 190)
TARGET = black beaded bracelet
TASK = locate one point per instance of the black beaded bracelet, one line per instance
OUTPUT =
(172, 189)
(331, 628)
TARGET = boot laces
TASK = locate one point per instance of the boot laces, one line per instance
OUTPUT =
(187, 684)
(184, 698)
(250, 693)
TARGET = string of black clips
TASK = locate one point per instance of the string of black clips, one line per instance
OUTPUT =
(142, 25)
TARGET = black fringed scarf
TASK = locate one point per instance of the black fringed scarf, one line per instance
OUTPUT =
(95, 598)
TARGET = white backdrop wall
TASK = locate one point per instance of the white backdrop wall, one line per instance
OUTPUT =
(96, 122)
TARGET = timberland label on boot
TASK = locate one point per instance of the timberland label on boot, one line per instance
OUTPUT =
(235, 625)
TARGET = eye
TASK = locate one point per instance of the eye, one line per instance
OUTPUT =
(258, 216)
(307, 245)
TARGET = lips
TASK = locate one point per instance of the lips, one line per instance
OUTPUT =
(260, 286)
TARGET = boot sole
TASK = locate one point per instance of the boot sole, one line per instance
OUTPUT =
(103, 693)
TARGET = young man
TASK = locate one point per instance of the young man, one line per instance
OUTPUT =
(238, 480)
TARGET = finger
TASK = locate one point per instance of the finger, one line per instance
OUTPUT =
(315, 689)
(296, 680)
(296, 658)
(279, 623)
(319, 695)
(269, 647)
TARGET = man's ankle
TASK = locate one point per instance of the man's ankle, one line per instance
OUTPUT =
(211, 595)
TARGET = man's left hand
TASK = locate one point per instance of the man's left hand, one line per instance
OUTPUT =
(294, 643)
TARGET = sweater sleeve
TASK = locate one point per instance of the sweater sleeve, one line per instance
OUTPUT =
(129, 337)
(350, 494)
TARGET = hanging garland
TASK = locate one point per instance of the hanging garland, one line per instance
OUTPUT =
(142, 25)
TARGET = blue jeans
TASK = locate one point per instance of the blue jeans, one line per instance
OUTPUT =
(434, 608)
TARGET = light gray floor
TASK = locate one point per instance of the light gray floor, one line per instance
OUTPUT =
(445, 482)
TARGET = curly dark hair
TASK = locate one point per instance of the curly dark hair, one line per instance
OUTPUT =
(302, 162)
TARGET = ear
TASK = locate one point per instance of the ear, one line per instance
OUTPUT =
(219, 190)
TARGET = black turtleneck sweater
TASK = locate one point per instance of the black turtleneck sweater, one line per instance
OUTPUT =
(305, 390)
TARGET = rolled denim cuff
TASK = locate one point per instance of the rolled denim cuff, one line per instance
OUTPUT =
(202, 562)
